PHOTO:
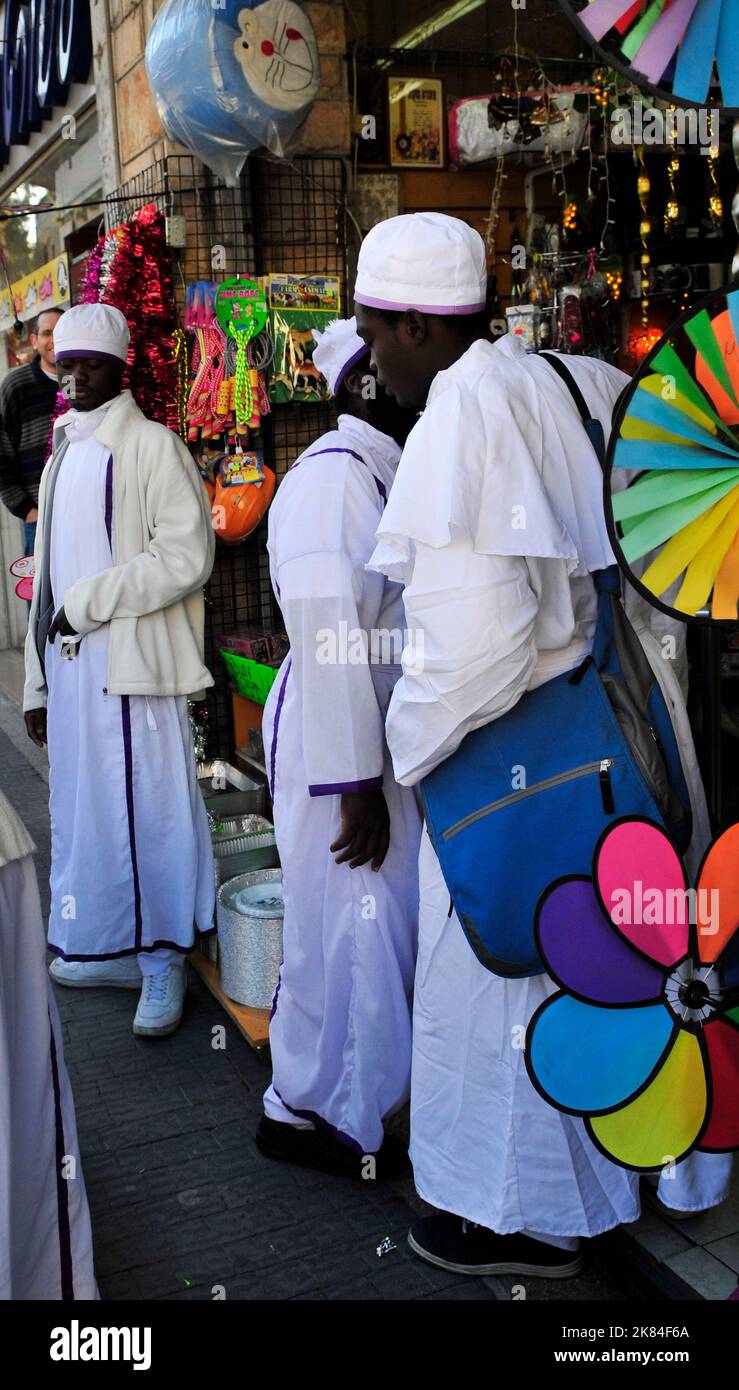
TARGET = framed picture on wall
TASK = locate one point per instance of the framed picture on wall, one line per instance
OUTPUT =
(416, 122)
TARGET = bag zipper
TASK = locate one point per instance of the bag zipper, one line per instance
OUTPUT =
(602, 767)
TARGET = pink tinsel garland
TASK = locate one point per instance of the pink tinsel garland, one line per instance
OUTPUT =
(130, 268)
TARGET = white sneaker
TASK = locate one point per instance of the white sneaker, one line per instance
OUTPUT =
(123, 973)
(161, 1003)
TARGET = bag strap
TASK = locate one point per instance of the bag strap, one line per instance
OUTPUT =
(593, 427)
(607, 580)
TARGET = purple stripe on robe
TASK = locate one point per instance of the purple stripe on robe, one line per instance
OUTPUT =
(352, 454)
(127, 744)
(128, 757)
(161, 943)
(276, 996)
(356, 357)
(320, 452)
(62, 1190)
(339, 1134)
(109, 503)
(278, 712)
(369, 784)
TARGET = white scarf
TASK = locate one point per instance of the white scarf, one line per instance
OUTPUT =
(81, 424)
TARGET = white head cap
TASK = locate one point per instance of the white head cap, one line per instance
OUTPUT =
(422, 260)
(337, 350)
(92, 330)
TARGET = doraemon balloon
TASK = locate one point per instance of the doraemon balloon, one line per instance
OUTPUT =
(231, 77)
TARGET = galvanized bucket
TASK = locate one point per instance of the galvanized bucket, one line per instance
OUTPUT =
(250, 912)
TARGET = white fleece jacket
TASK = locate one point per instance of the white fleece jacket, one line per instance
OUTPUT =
(163, 549)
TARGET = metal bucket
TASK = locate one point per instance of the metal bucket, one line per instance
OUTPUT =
(250, 912)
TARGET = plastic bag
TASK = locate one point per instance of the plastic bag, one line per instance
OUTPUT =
(230, 78)
(472, 140)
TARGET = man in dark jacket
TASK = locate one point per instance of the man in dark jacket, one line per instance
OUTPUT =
(27, 399)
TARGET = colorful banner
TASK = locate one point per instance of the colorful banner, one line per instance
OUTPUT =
(45, 288)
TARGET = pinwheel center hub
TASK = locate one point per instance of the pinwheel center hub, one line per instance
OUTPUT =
(695, 994)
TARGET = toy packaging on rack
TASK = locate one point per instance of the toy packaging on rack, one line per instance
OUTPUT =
(243, 490)
(298, 304)
(241, 310)
(228, 394)
(259, 643)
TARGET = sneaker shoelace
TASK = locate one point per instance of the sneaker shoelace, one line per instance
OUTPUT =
(157, 987)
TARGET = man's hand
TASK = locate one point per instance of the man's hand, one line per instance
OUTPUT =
(365, 829)
(32, 516)
(36, 726)
(61, 626)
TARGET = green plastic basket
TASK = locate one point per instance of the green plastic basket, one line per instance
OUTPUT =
(252, 680)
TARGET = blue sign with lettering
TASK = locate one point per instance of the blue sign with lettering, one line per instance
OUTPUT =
(47, 46)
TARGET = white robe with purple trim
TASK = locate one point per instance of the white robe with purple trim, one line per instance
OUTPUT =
(45, 1236)
(131, 866)
(340, 1035)
(494, 524)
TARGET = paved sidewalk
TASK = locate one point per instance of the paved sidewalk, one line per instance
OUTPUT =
(183, 1206)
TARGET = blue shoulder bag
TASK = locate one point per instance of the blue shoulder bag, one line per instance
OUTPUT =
(524, 799)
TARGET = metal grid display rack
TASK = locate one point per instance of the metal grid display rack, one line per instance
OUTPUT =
(281, 216)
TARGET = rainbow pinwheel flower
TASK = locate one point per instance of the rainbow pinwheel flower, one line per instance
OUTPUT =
(667, 46)
(642, 1039)
(678, 430)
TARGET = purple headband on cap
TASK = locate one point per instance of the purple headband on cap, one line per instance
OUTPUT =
(345, 370)
(89, 352)
(371, 303)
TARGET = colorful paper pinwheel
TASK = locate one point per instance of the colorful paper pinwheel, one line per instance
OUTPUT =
(642, 1039)
(677, 428)
(668, 47)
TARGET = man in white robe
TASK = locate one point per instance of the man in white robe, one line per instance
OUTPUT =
(495, 525)
(123, 547)
(348, 835)
(45, 1236)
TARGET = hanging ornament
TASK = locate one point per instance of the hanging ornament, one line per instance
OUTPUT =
(614, 277)
(600, 89)
(491, 229)
(735, 199)
(672, 207)
(180, 361)
(643, 188)
(715, 201)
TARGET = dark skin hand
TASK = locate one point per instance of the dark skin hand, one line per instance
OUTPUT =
(61, 626)
(35, 720)
(365, 830)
